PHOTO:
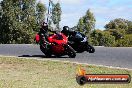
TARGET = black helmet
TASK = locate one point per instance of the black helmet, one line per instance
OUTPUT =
(44, 25)
(65, 30)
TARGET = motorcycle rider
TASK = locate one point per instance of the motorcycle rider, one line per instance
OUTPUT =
(66, 30)
(73, 36)
(44, 34)
(44, 31)
(69, 33)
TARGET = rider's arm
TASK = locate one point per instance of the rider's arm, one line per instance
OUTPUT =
(72, 33)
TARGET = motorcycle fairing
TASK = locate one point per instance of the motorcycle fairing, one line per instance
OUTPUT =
(54, 39)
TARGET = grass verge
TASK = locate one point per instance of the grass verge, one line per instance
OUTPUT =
(30, 73)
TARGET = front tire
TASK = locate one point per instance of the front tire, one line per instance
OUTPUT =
(71, 52)
(90, 49)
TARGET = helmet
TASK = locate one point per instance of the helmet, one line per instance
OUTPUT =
(66, 30)
(44, 25)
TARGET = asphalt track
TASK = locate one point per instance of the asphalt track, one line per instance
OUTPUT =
(108, 56)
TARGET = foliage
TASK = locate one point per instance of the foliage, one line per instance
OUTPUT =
(80, 26)
(86, 23)
(117, 33)
(40, 12)
(56, 15)
(117, 24)
(74, 28)
(125, 42)
(121, 29)
(121, 24)
(129, 31)
(101, 38)
(18, 21)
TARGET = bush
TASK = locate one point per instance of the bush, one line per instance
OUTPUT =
(102, 38)
(125, 42)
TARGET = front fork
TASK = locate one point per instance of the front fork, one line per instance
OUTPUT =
(66, 48)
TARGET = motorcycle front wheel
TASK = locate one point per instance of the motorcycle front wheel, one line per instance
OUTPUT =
(71, 52)
(90, 49)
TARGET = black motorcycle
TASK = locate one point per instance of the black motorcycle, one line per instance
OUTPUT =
(78, 42)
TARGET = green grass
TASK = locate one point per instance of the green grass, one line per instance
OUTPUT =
(27, 73)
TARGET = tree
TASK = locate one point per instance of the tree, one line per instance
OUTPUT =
(117, 24)
(117, 27)
(18, 21)
(0, 22)
(74, 28)
(56, 14)
(120, 24)
(40, 11)
(120, 28)
(125, 42)
(40, 14)
(80, 26)
(117, 33)
(86, 23)
(108, 39)
(102, 38)
(129, 31)
(94, 38)
(6, 21)
(0, 10)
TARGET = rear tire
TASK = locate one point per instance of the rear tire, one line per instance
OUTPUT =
(90, 49)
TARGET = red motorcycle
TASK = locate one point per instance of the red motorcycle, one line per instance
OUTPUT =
(57, 45)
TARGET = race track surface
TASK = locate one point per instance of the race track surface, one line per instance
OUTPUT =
(108, 56)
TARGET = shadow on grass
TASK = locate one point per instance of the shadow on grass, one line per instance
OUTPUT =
(43, 56)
